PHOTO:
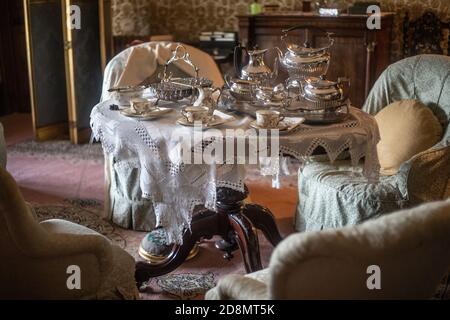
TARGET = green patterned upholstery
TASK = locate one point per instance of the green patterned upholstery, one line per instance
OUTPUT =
(334, 195)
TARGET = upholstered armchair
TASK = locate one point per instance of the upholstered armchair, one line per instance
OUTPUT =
(2, 148)
(409, 247)
(35, 257)
(332, 195)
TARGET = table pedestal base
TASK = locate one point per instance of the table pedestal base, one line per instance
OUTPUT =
(234, 221)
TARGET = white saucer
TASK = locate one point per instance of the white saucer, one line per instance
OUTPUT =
(156, 113)
(286, 126)
(281, 126)
(216, 121)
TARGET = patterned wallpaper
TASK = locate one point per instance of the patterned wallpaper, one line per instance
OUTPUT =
(186, 18)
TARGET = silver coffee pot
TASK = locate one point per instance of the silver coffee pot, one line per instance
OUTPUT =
(256, 69)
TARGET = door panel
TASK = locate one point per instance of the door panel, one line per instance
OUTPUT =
(84, 68)
(45, 50)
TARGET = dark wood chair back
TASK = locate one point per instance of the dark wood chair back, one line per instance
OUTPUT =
(425, 35)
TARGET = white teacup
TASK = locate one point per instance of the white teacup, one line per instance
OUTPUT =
(193, 114)
(141, 105)
(269, 119)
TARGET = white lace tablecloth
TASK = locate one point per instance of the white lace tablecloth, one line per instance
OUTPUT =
(175, 187)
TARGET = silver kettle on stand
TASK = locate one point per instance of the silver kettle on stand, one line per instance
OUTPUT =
(303, 61)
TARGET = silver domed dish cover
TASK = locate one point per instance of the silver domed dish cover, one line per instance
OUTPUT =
(302, 61)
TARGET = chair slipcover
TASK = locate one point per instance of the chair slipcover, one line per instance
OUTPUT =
(409, 247)
(334, 195)
(35, 257)
(124, 203)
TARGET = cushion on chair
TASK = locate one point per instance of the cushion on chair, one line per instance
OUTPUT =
(336, 195)
(407, 127)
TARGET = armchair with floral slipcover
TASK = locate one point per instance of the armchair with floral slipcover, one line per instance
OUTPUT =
(332, 195)
(36, 257)
(410, 248)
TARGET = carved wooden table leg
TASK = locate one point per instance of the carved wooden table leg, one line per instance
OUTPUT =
(231, 203)
(234, 222)
(263, 219)
(247, 239)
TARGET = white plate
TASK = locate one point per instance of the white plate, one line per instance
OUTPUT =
(160, 111)
(217, 121)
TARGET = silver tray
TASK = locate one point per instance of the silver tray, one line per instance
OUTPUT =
(329, 116)
(311, 117)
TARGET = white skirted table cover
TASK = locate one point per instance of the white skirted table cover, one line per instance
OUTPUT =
(176, 187)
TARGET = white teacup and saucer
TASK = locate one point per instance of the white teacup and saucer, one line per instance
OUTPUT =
(144, 109)
(269, 119)
(192, 115)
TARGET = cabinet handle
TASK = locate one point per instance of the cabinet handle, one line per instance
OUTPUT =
(371, 46)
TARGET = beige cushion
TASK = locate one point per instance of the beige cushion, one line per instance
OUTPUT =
(407, 127)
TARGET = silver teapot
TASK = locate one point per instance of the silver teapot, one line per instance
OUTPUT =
(322, 94)
(302, 61)
(256, 69)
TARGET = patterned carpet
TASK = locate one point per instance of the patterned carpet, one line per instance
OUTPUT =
(61, 148)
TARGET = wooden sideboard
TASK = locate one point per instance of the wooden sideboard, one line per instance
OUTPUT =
(358, 53)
